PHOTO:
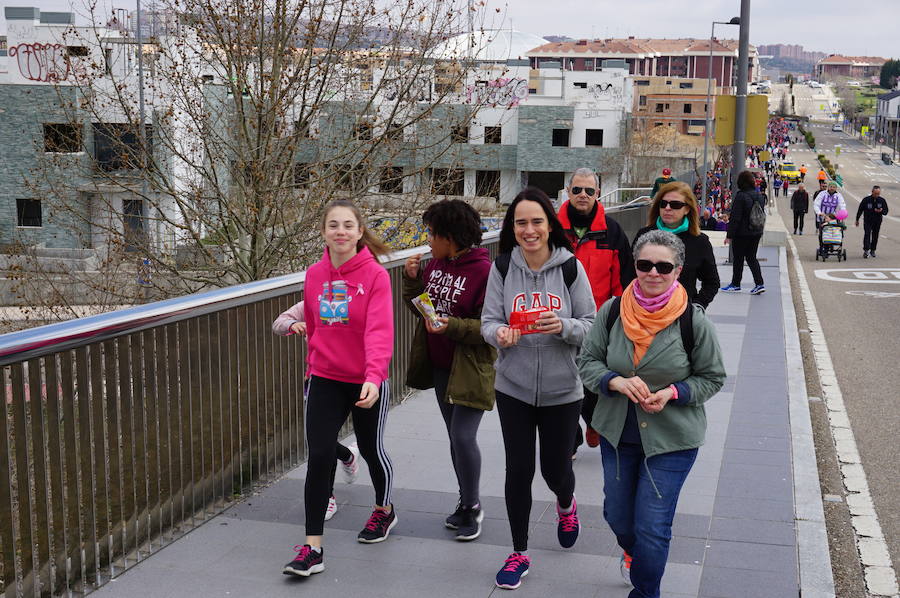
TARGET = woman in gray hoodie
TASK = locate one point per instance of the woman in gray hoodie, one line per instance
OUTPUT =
(537, 310)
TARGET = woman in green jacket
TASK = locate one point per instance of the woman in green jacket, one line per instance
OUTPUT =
(650, 415)
(452, 357)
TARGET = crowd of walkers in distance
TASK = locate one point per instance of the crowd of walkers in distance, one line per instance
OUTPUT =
(571, 321)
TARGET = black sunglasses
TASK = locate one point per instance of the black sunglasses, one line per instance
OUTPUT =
(675, 205)
(661, 267)
(589, 191)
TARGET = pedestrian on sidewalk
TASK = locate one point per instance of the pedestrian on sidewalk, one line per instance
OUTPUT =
(449, 353)
(872, 208)
(537, 311)
(674, 209)
(350, 327)
(603, 249)
(799, 206)
(293, 322)
(743, 236)
(784, 186)
(776, 185)
(803, 172)
(657, 360)
(660, 181)
(821, 175)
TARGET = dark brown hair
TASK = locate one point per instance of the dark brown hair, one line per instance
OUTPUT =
(557, 237)
(456, 220)
(368, 239)
(687, 195)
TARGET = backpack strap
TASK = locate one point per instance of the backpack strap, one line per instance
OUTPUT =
(569, 268)
(685, 322)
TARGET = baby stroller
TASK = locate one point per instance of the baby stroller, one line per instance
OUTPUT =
(831, 240)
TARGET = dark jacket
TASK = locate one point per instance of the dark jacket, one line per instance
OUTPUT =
(739, 221)
(867, 208)
(800, 201)
(699, 265)
(659, 182)
(604, 251)
(471, 380)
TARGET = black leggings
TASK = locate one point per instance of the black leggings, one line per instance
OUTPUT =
(588, 404)
(328, 403)
(745, 248)
(555, 427)
(462, 427)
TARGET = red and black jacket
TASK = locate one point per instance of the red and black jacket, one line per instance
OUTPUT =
(605, 253)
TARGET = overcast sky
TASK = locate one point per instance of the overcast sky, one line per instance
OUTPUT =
(821, 25)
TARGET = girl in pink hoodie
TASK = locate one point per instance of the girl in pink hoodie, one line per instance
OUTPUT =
(348, 312)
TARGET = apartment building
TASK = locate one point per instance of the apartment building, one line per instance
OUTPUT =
(854, 67)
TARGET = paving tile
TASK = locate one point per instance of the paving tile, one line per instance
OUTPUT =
(721, 582)
(755, 557)
(753, 530)
(762, 509)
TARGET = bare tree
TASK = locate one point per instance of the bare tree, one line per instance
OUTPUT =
(253, 114)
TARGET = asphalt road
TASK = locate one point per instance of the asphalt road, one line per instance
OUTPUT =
(858, 303)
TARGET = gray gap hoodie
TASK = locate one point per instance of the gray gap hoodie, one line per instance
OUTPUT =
(540, 370)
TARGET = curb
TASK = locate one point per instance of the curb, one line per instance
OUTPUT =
(880, 577)
(814, 556)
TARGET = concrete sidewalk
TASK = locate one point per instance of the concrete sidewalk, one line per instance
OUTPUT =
(748, 523)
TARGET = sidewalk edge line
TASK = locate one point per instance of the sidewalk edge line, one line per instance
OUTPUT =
(880, 577)
(814, 556)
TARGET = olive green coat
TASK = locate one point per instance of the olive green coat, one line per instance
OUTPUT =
(472, 373)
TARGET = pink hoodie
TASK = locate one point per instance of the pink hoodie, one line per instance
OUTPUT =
(349, 319)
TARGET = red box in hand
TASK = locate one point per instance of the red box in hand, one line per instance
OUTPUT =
(526, 320)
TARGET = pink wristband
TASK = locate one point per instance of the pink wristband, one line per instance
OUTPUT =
(674, 392)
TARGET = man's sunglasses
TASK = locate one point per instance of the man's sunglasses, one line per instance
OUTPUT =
(675, 205)
(661, 267)
(589, 191)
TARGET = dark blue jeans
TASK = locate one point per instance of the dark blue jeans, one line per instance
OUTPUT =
(639, 506)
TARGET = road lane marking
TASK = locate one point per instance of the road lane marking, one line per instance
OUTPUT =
(860, 275)
(876, 294)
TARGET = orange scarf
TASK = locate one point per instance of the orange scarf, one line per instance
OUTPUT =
(641, 326)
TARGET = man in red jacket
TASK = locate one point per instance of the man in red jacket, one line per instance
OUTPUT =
(603, 249)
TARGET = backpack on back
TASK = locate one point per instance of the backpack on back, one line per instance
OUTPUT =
(685, 321)
(569, 268)
(756, 222)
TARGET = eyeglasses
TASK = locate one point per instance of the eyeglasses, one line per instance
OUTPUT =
(589, 191)
(661, 267)
(675, 205)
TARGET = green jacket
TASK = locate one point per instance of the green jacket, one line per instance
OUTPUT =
(676, 427)
(659, 182)
(472, 374)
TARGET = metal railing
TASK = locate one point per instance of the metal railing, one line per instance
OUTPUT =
(624, 196)
(121, 432)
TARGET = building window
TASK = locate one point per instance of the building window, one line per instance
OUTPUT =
(393, 132)
(362, 131)
(117, 146)
(561, 137)
(62, 138)
(687, 108)
(686, 85)
(446, 181)
(668, 82)
(302, 174)
(391, 180)
(79, 51)
(28, 212)
(459, 134)
(593, 137)
(492, 135)
(642, 82)
(487, 183)
(642, 100)
(667, 106)
(659, 107)
(133, 215)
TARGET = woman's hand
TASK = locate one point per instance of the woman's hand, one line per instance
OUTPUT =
(507, 337)
(634, 388)
(439, 329)
(657, 400)
(368, 395)
(549, 323)
(411, 269)
(299, 328)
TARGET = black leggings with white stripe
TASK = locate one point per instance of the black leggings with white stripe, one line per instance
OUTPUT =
(328, 402)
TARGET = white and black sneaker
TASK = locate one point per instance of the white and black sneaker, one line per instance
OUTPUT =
(470, 525)
(455, 518)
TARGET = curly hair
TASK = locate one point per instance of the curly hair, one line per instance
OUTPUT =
(507, 232)
(456, 220)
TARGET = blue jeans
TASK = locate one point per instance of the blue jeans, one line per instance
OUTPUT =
(639, 506)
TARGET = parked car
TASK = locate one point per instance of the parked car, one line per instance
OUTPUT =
(789, 171)
(837, 127)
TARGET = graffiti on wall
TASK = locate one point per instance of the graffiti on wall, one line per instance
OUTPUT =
(41, 62)
(498, 92)
(605, 92)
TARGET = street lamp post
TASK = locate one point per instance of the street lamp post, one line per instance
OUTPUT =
(733, 21)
